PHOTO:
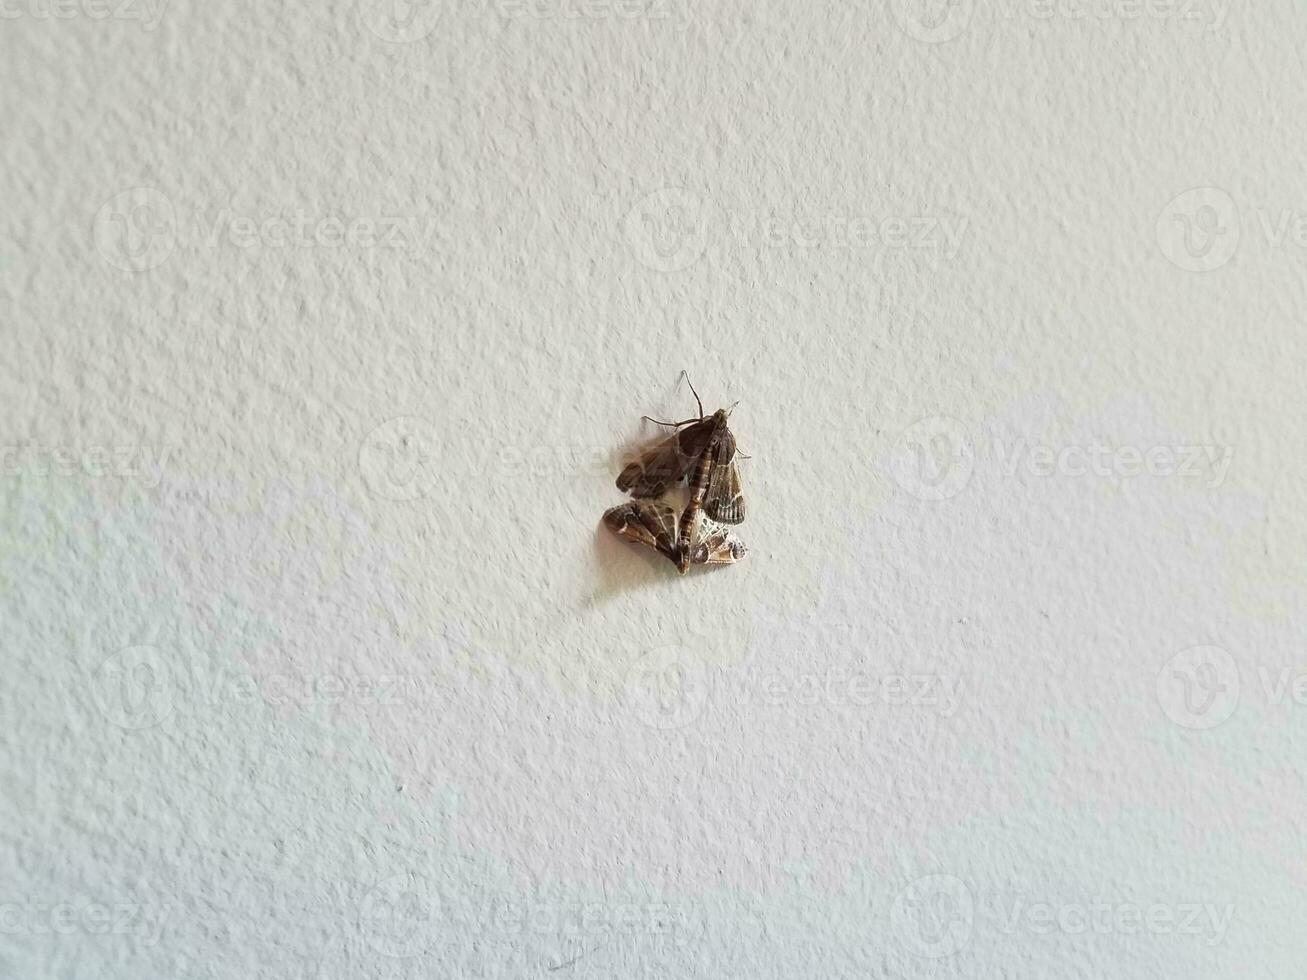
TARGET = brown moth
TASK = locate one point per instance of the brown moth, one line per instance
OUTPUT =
(653, 524)
(702, 450)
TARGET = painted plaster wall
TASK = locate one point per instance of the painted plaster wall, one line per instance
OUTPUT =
(325, 326)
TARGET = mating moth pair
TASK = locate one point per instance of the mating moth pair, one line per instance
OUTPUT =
(701, 451)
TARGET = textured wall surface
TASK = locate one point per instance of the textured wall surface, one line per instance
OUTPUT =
(326, 327)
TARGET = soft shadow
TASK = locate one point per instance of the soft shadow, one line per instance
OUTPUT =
(624, 567)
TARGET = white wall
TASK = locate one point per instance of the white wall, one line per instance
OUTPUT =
(319, 662)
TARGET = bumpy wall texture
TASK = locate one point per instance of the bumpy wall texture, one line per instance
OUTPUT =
(326, 327)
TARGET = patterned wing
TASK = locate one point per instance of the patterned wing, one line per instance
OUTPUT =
(715, 545)
(725, 500)
(667, 462)
(645, 522)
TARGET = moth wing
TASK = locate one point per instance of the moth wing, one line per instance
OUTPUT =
(644, 522)
(716, 545)
(667, 463)
(655, 471)
(725, 500)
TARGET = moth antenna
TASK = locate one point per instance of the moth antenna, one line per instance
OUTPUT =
(685, 374)
(671, 425)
